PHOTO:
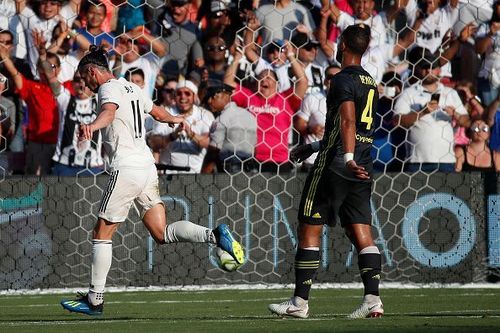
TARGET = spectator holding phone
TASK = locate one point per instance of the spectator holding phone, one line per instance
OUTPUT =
(427, 110)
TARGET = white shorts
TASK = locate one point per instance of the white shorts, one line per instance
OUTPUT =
(126, 186)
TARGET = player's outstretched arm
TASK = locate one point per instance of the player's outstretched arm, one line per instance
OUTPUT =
(160, 114)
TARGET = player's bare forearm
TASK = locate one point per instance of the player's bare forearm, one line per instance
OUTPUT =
(105, 117)
(160, 114)
(348, 126)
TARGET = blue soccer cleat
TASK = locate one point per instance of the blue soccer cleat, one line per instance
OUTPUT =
(82, 305)
(226, 241)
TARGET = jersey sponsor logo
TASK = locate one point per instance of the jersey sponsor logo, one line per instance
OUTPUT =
(264, 109)
(364, 139)
(429, 35)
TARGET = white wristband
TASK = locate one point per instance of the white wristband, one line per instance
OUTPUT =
(348, 157)
(316, 145)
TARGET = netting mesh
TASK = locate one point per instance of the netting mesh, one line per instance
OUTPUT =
(431, 224)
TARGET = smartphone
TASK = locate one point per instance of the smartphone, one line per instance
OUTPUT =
(435, 97)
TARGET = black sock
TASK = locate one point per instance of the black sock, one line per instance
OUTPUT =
(306, 265)
(370, 265)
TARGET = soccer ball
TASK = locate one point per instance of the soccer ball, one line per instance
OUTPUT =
(226, 261)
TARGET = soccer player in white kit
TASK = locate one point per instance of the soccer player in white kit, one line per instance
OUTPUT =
(122, 109)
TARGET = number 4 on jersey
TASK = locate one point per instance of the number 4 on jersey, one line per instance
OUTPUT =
(366, 116)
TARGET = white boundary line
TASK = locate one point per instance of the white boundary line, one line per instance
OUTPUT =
(271, 286)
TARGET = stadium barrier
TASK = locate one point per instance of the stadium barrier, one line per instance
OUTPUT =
(430, 228)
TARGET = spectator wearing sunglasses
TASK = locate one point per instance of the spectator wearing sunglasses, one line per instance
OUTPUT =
(185, 144)
(216, 56)
(476, 156)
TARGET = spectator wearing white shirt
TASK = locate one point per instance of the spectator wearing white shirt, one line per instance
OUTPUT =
(184, 145)
(488, 45)
(130, 54)
(427, 109)
(51, 12)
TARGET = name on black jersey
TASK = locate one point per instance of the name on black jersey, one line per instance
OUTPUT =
(368, 80)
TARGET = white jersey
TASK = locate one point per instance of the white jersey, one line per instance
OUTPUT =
(313, 110)
(377, 27)
(431, 138)
(124, 139)
(150, 65)
(69, 151)
(183, 151)
(433, 29)
(490, 68)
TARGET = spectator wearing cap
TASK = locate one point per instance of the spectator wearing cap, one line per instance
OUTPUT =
(184, 145)
(219, 22)
(133, 50)
(182, 37)
(273, 110)
(276, 56)
(279, 19)
(427, 110)
(307, 50)
(233, 134)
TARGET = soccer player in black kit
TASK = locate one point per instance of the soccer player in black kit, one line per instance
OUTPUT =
(339, 185)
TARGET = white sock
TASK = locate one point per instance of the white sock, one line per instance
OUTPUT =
(370, 249)
(185, 231)
(102, 254)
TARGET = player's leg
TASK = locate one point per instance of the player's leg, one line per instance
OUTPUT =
(355, 214)
(155, 220)
(115, 204)
(313, 214)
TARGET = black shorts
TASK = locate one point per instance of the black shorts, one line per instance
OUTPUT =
(329, 197)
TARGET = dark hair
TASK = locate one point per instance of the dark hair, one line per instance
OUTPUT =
(357, 38)
(93, 3)
(8, 32)
(134, 70)
(96, 57)
(54, 56)
(495, 17)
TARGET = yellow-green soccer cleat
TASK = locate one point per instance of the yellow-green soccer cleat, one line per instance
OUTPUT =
(226, 241)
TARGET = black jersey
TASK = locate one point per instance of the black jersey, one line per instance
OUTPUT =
(351, 84)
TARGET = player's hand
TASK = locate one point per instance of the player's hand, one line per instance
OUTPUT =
(358, 171)
(301, 153)
(86, 132)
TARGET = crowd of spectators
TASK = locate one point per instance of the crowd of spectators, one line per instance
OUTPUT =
(251, 79)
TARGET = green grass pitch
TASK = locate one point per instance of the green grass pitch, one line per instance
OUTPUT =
(407, 310)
